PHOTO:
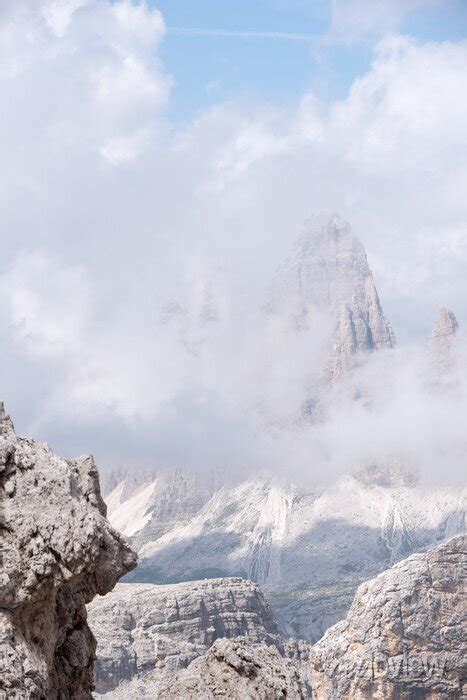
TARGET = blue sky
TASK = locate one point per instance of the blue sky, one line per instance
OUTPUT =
(208, 68)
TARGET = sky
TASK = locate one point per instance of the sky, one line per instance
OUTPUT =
(169, 152)
(276, 50)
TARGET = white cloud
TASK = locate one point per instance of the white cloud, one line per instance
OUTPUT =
(46, 304)
(58, 13)
(359, 19)
(95, 80)
(109, 213)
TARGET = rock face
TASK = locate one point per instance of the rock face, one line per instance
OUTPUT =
(402, 639)
(231, 668)
(442, 341)
(403, 636)
(309, 550)
(144, 628)
(146, 505)
(328, 276)
(58, 551)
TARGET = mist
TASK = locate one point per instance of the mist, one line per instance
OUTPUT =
(136, 254)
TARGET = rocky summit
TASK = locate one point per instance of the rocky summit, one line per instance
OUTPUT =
(327, 279)
(442, 341)
(58, 552)
(239, 670)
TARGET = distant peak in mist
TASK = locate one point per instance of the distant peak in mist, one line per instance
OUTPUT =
(446, 324)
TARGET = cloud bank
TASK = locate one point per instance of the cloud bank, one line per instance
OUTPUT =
(113, 221)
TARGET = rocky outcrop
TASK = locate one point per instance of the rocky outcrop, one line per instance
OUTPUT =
(239, 670)
(58, 552)
(441, 346)
(402, 639)
(231, 668)
(403, 636)
(327, 279)
(144, 628)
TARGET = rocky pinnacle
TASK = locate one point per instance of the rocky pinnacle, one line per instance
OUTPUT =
(58, 551)
(325, 280)
(442, 340)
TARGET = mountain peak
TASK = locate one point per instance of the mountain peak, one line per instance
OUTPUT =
(446, 324)
(5, 421)
(328, 273)
(442, 339)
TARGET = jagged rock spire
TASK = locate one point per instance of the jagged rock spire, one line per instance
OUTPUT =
(328, 273)
(442, 339)
(5, 421)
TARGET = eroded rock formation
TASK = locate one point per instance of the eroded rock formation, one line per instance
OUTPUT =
(442, 339)
(402, 639)
(58, 551)
(239, 670)
(403, 636)
(327, 278)
(144, 627)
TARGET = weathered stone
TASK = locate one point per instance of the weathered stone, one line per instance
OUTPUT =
(442, 341)
(404, 635)
(327, 278)
(239, 670)
(58, 551)
(144, 627)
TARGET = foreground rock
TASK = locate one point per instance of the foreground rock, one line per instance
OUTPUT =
(142, 628)
(58, 552)
(239, 670)
(403, 636)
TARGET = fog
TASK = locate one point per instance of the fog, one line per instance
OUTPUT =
(136, 255)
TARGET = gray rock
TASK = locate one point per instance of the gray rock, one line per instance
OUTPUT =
(404, 635)
(327, 278)
(403, 639)
(309, 550)
(58, 551)
(441, 346)
(239, 670)
(143, 628)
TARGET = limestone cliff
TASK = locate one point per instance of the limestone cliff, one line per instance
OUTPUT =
(58, 551)
(145, 630)
(327, 278)
(403, 636)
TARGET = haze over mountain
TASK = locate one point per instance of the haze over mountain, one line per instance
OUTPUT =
(115, 209)
(217, 218)
(362, 497)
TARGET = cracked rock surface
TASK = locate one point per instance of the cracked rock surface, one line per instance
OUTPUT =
(58, 551)
(231, 668)
(240, 670)
(404, 635)
(144, 627)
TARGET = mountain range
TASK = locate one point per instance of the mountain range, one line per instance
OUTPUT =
(309, 546)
